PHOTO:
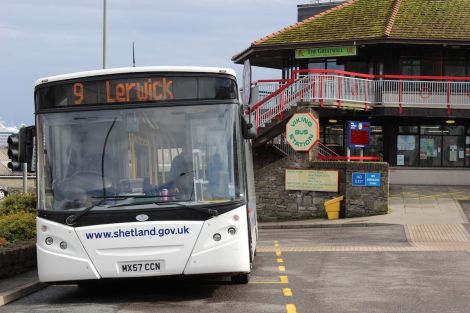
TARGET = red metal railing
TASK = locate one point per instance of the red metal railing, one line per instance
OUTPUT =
(340, 89)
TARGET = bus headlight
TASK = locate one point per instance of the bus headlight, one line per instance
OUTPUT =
(217, 237)
(232, 231)
(49, 241)
(63, 245)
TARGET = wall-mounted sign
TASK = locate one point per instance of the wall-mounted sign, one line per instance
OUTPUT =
(325, 52)
(312, 180)
(366, 179)
(400, 159)
(302, 131)
(358, 134)
(406, 142)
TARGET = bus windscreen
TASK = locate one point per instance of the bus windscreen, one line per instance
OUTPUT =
(138, 89)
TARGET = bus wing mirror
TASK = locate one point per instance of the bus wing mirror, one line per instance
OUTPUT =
(248, 130)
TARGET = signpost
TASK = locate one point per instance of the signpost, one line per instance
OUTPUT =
(302, 131)
(366, 180)
(358, 134)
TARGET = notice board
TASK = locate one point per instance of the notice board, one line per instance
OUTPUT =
(312, 180)
(358, 134)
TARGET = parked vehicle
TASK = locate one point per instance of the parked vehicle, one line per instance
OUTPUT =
(3, 192)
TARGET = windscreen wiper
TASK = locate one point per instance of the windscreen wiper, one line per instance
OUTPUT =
(124, 197)
(211, 212)
(72, 219)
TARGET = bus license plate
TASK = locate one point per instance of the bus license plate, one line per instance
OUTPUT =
(141, 267)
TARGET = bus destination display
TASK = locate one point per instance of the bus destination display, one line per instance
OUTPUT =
(149, 90)
(135, 90)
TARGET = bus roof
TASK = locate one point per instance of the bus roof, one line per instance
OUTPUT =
(123, 70)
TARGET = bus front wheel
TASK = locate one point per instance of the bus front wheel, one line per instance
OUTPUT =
(240, 278)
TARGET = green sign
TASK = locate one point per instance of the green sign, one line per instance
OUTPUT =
(325, 52)
(302, 131)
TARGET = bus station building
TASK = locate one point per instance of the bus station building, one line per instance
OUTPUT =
(402, 65)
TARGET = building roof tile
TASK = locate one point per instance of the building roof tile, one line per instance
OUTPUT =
(380, 19)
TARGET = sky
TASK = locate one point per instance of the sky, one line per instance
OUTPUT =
(40, 38)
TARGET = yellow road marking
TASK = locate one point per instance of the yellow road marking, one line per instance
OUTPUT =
(287, 292)
(282, 268)
(290, 308)
(278, 252)
(282, 280)
(280, 260)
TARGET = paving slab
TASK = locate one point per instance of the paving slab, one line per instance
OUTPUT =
(15, 287)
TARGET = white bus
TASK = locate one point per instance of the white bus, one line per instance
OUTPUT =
(143, 172)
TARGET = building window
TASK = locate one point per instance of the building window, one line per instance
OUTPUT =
(332, 136)
(332, 64)
(455, 67)
(357, 67)
(407, 150)
(467, 147)
(453, 146)
(430, 145)
(322, 64)
(433, 146)
(316, 65)
(376, 142)
(430, 150)
(407, 146)
(410, 67)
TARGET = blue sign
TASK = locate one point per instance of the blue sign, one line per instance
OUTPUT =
(358, 179)
(358, 134)
(366, 179)
(373, 179)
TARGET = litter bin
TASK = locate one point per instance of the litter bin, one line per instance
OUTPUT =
(332, 207)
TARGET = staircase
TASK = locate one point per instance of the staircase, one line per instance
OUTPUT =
(324, 153)
(279, 99)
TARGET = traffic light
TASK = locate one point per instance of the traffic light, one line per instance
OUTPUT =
(27, 147)
(21, 149)
(14, 153)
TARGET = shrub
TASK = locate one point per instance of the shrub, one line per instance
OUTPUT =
(18, 226)
(18, 202)
(3, 242)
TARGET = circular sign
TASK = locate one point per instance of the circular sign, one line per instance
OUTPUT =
(246, 82)
(302, 131)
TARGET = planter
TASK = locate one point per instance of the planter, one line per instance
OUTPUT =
(17, 258)
(332, 207)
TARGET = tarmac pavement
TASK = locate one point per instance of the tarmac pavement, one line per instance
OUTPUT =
(432, 217)
(408, 205)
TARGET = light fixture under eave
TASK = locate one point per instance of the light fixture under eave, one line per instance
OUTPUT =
(450, 121)
(332, 121)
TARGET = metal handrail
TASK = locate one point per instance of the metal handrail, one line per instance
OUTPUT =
(324, 153)
(340, 88)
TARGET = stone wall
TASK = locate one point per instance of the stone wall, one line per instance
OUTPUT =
(17, 258)
(16, 183)
(275, 203)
